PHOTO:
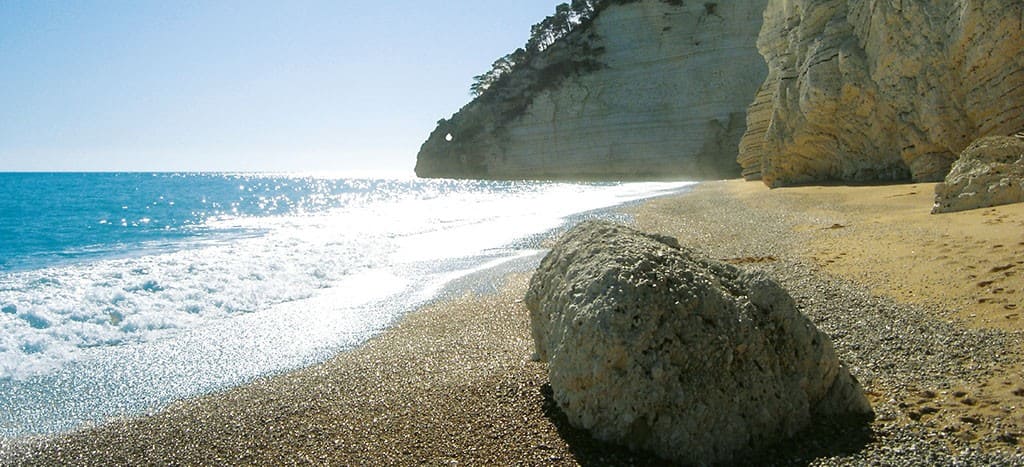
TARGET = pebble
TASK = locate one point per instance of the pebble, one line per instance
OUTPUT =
(895, 350)
(890, 347)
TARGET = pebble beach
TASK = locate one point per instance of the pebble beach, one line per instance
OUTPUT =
(923, 309)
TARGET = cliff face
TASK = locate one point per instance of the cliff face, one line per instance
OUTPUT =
(869, 90)
(649, 89)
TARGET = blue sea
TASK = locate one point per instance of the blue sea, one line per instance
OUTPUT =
(123, 292)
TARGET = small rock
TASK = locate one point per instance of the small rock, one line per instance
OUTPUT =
(1008, 438)
(990, 172)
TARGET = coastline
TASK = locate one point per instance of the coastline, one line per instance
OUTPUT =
(452, 382)
(449, 382)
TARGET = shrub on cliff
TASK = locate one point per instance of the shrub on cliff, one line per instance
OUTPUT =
(567, 18)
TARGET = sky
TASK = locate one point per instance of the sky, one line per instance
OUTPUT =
(298, 86)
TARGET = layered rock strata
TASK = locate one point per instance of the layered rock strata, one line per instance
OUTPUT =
(649, 89)
(871, 90)
(652, 346)
(990, 172)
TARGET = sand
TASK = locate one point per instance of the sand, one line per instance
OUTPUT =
(453, 383)
(884, 237)
(971, 262)
(959, 277)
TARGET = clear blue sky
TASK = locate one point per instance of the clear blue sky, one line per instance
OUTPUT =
(241, 85)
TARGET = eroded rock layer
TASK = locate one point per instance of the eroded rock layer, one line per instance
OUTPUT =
(874, 90)
(649, 89)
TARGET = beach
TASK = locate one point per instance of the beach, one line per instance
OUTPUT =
(922, 308)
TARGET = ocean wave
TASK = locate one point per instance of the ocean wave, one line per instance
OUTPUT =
(303, 284)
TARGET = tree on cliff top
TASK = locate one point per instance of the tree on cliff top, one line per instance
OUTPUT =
(567, 18)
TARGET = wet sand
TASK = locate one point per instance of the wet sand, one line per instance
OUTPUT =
(450, 383)
(453, 383)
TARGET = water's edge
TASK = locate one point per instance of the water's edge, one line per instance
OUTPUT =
(87, 407)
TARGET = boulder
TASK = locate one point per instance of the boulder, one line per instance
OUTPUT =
(654, 347)
(988, 173)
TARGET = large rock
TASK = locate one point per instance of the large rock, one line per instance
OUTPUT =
(870, 90)
(990, 172)
(654, 347)
(649, 89)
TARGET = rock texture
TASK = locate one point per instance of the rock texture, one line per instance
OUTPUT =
(652, 346)
(869, 90)
(990, 172)
(650, 89)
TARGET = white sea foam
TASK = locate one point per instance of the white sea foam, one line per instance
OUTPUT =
(283, 291)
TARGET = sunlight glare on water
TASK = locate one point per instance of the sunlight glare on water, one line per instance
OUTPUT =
(215, 279)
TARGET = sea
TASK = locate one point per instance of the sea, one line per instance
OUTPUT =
(121, 293)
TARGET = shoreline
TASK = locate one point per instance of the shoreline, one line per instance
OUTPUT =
(286, 325)
(442, 385)
(452, 381)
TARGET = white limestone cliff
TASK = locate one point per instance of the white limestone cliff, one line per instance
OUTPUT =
(661, 91)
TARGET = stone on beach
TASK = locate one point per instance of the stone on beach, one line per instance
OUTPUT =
(990, 172)
(652, 346)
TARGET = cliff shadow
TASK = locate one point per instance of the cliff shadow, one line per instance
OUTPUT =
(824, 438)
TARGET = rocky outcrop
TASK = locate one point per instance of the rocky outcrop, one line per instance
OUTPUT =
(990, 172)
(648, 89)
(870, 90)
(652, 346)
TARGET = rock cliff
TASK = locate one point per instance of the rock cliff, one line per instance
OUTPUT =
(648, 89)
(872, 90)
